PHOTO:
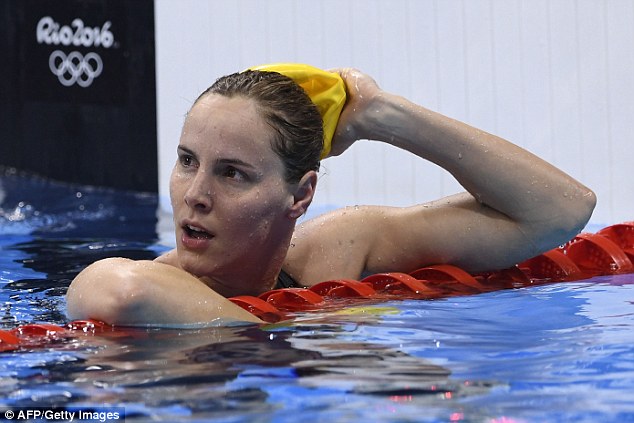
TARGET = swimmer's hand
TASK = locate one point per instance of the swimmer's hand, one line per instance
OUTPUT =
(354, 123)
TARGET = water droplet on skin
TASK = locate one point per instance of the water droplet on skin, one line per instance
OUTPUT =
(459, 156)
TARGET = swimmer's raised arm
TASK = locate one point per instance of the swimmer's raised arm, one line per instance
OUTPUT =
(517, 205)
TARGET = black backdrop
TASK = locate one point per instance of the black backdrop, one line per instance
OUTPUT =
(78, 91)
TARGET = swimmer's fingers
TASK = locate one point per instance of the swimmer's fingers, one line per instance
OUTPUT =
(359, 85)
(361, 89)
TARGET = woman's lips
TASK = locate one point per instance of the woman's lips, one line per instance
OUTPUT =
(196, 232)
(195, 238)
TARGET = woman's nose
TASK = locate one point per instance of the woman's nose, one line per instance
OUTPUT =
(198, 196)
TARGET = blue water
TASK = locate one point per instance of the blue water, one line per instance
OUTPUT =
(550, 353)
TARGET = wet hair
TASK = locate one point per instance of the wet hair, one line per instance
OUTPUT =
(287, 109)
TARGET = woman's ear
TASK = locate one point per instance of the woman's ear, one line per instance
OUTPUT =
(303, 194)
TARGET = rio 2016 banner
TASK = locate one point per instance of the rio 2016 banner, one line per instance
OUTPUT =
(78, 90)
(79, 47)
(74, 67)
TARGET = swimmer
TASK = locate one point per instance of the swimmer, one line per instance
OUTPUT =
(246, 170)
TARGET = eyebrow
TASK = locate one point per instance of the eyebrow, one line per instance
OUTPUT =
(185, 150)
(228, 160)
(234, 162)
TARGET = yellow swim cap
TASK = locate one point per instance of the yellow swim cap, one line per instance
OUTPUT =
(326, 89)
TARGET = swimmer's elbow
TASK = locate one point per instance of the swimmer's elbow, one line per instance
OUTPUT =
(588, 204)
(579, 213)
(568, 222)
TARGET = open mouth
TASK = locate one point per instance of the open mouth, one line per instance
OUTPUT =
(197, 233)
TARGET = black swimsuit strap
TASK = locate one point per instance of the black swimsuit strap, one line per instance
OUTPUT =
(284, 280)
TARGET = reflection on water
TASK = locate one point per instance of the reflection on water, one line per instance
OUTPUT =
(558, 352)
(214, 371)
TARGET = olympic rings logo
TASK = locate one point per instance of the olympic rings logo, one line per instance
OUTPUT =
(75, 68)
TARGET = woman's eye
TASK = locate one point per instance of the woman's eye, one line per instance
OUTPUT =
(233, 173)
(186, 160)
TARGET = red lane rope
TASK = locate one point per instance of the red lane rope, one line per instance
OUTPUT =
(610, 251)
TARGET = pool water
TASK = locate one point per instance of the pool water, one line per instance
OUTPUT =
(548, 353)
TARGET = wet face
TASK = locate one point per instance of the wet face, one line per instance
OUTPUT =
(229, 197)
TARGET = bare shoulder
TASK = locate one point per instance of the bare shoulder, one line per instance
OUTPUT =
(142, 292)
(170, 257)
(336, 244)
(459, 230)
(98, 290)
(119, 269)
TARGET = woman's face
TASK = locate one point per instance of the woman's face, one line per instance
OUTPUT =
(229, 197)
